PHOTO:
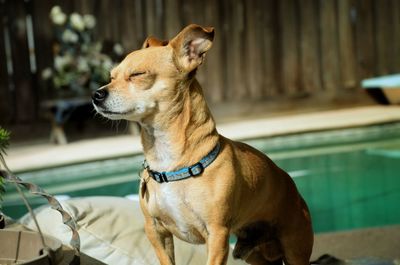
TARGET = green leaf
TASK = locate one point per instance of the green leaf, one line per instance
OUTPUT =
(4, 140)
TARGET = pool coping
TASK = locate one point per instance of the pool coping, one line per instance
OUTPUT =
(24, 158)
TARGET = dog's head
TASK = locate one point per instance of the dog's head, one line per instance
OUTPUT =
(148, 78)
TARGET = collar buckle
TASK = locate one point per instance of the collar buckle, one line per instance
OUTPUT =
(160, 177)
(196, 169)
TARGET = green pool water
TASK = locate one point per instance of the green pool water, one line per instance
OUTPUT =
(349, 178)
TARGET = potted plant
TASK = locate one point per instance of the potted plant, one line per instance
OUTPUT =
(80, 63)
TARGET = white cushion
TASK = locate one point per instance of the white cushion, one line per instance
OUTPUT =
(111, 230)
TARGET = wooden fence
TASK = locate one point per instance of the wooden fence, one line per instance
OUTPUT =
(263, 48)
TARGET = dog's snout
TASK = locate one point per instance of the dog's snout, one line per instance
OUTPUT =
(99, 95)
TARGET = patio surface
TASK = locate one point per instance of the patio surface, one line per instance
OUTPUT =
(378, 242)
(30, 157)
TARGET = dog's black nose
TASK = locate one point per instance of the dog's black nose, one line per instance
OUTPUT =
(99, 95)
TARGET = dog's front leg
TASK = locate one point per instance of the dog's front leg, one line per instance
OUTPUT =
(162, 241)
(218, 245)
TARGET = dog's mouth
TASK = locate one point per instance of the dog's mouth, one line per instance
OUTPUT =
(106, 112)
(132, 112)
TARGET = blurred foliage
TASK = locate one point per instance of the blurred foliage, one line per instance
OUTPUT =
(80, 63)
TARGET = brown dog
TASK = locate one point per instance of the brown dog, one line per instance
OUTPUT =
(234, 189)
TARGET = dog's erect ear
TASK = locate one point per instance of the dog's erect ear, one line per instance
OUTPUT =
(190, 46)
(153, 42)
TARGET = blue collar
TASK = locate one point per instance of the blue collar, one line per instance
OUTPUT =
(185, 172)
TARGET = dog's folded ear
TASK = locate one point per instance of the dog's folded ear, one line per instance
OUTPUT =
(191, 45)
(153, 42)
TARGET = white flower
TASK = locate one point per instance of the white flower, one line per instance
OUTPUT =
(55, 10)
(69, 36)
(47, 73)
(89, 21)
(59, 19)
(83, 65)
(77, 22)
(118, 49)
(57, 16)
(61, 61)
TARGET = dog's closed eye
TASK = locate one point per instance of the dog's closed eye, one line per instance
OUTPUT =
(142, 80)
(136, 74)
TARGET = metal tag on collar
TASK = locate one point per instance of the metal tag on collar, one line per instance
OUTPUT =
(145, 165)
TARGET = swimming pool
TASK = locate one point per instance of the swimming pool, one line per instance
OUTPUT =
(349, 177)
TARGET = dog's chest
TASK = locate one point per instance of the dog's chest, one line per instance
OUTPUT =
(172, 208)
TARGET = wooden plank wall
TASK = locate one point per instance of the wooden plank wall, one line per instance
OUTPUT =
(263, 49)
